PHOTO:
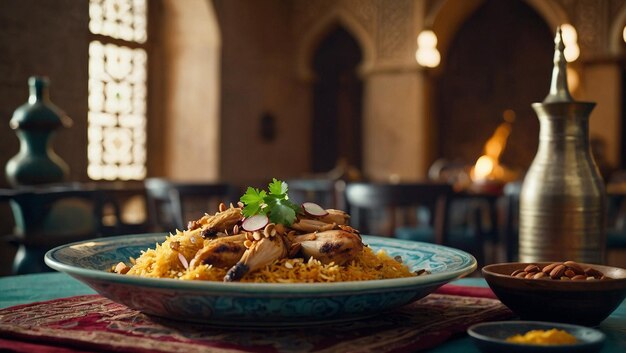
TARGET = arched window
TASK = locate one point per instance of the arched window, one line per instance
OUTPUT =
(117, 90)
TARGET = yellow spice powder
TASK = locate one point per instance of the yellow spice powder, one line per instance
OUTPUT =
(552, 336)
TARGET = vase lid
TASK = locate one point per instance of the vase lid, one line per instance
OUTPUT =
(559, 91)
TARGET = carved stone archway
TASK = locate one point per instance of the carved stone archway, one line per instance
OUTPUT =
(474, 88)
(395, 135)
(310, 40)
(445, 17)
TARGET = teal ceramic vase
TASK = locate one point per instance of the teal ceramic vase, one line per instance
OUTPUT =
(35, 123)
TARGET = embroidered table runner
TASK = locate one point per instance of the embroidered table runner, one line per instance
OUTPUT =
(91, 322)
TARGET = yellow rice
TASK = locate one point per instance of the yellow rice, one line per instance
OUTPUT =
(164, 262)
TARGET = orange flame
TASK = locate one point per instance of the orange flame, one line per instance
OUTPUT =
(488, 166)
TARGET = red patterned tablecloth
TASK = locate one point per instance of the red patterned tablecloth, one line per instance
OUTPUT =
(93, 323)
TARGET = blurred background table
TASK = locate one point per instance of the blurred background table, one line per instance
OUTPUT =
(45, 216)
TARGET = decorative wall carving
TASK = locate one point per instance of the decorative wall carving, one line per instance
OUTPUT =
(364, 11)
(306, 13)
(394, 22)
(388, 24)
(591, 21)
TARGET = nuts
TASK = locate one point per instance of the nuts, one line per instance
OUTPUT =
(547, 269)
(531, 268)
(539, 275)
(516, 272)
(270, 230)
(557, 271)
(192, 225)
(121, 268)
(575, 267)
(560, 271)
(422, 272)
(570, 273)
(175, 245)
(280, 228)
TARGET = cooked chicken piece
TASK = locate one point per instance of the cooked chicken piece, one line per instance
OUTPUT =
(338, 246)
(260, 253)
(335, 216)
(219, 222)
(294, 249)
(221, 252)
(306, 225)
(350, 230)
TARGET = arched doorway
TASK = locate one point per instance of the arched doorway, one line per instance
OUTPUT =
(337, 102)
(500, 59)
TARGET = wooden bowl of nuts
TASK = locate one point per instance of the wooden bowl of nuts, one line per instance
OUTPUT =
(569, 292)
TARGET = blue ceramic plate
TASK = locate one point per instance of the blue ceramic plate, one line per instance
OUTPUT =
(491, 337)
(257, 304)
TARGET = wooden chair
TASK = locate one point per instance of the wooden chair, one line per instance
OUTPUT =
(171, 205)
(509, 226)
(418, 211)
(381, 208)
(616, 221)
(125, 207)
(328, 193)
(46, 218)
(473, 216)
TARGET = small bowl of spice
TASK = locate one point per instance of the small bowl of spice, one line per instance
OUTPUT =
(567, 292)
(536, 337)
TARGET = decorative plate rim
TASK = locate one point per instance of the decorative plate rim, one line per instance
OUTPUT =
(265, 289)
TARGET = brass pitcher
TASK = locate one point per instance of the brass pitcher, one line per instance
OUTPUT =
(563, 197)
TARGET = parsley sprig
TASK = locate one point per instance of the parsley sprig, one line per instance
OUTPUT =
(275, 204)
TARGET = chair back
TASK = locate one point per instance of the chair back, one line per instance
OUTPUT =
(509, 233)
(125, 207)
(426, 203)
(171, 205)
(327, 193)
(616, 223)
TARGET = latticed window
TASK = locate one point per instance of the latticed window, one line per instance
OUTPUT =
(117, 90)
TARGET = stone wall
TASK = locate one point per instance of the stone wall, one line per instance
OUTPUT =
(43, 37)
(258, 78)
(187, 47)
(395, 134)
(50, 38)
